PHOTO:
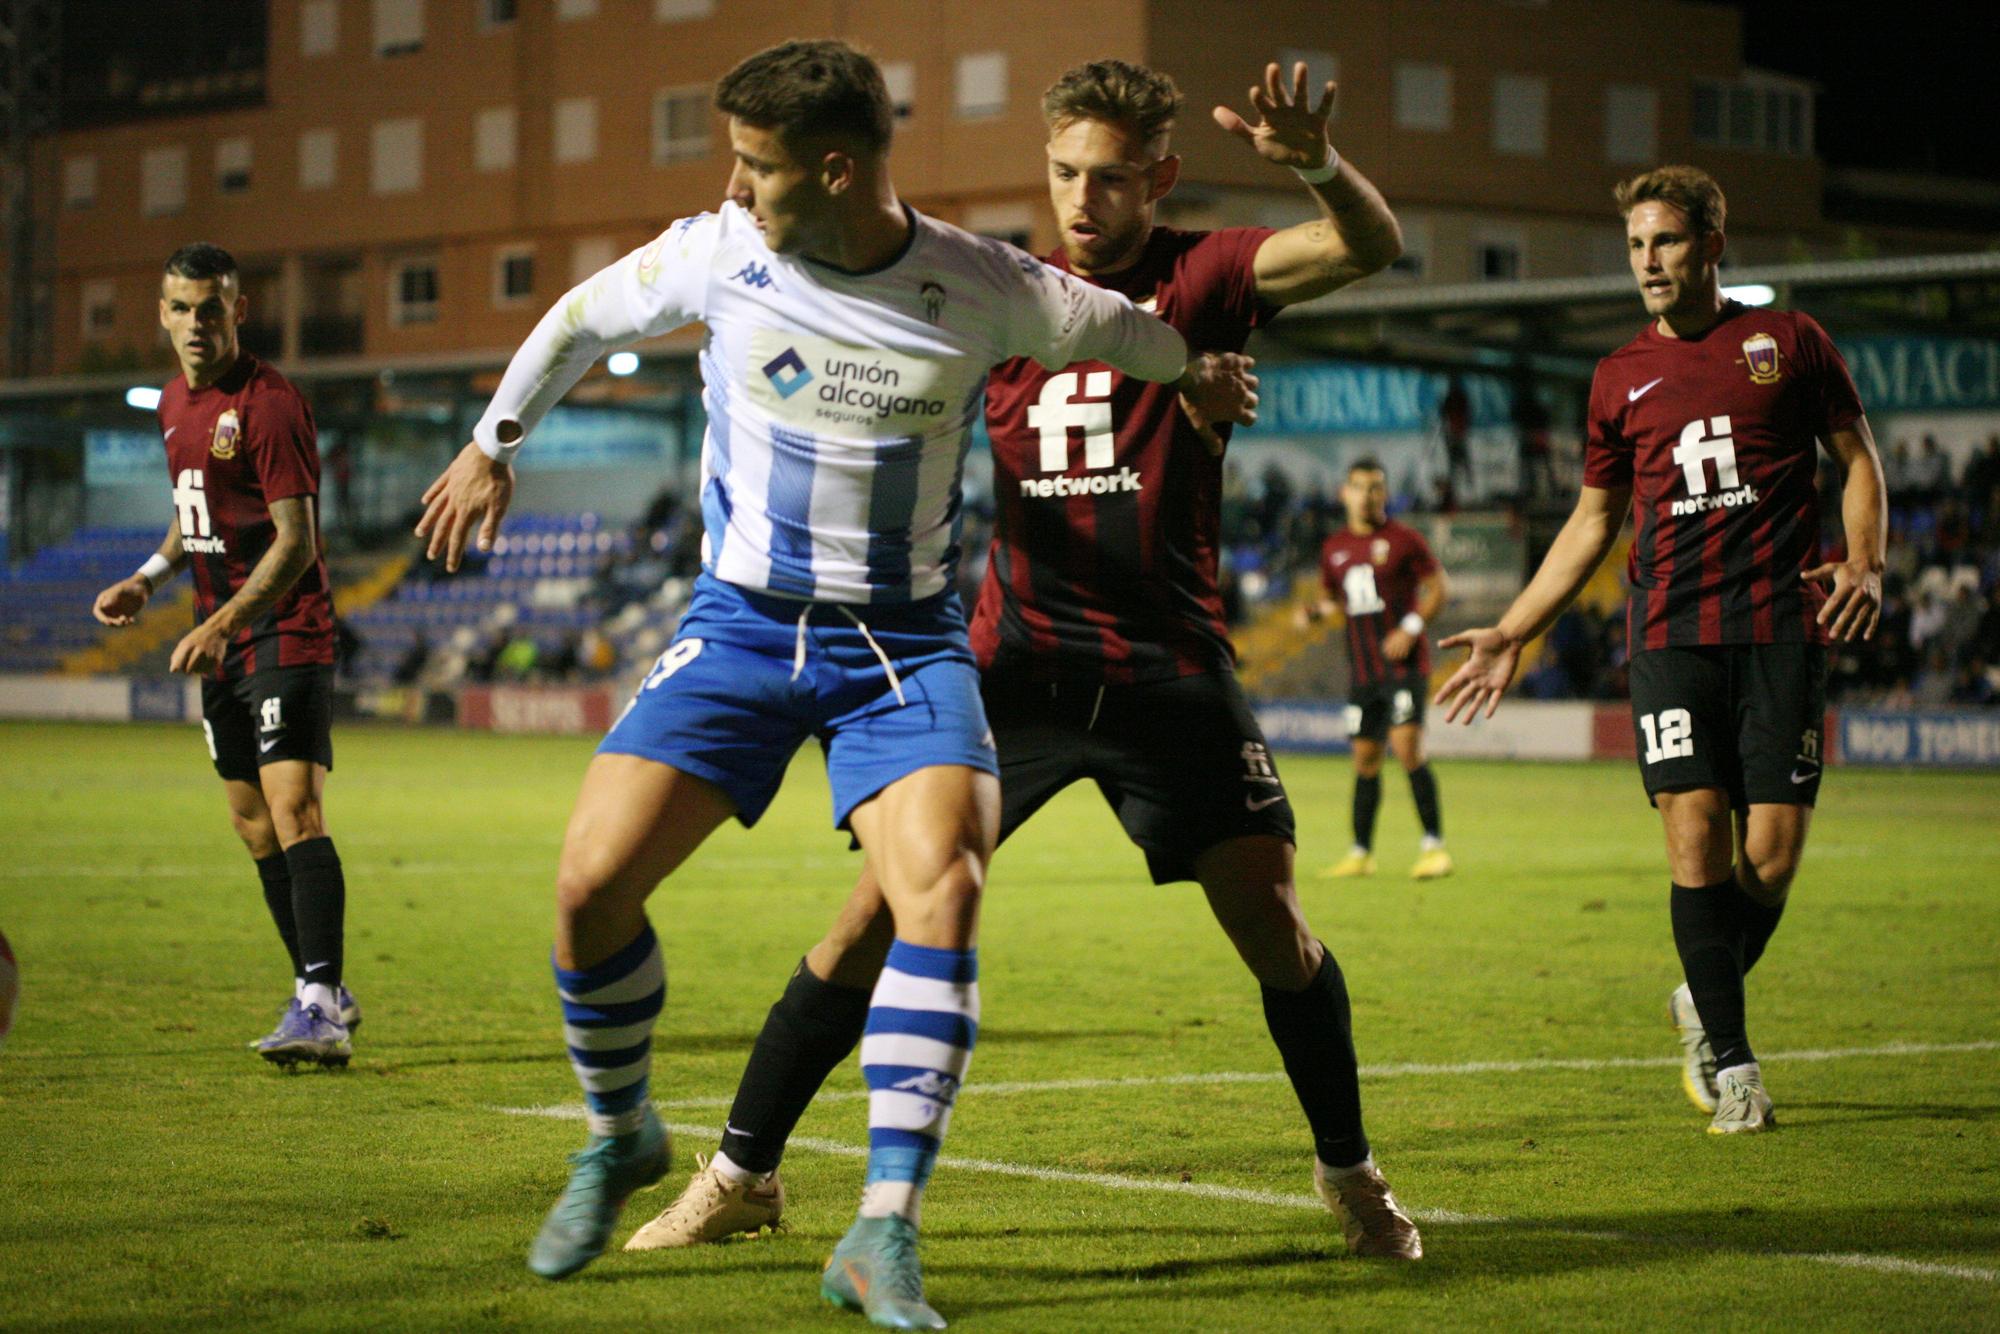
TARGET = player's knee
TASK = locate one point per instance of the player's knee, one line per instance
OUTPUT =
(257, 834)
(297, 821)
(1769, 873)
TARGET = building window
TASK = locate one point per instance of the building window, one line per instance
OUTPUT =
(1012, 223)
(680, 123)
(497, 13)
(514, 276)
(1762, 112)
(589, 256)
(79, 181)
(163, 181)
(1423, 97)
(398, 156)
(495, 139)
(1321, 67)
(413, 292)
(675, 11)
(576, 9)
(319, 28)
(399, 27)
(980, 88)
(576, 129)
(1631, 123)
(100, 308)
(900, 76)
(232, 166)
(1520, 115)
(318, 159)
(1497, 259)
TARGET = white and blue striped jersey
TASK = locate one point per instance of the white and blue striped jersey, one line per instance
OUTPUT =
(840, 405)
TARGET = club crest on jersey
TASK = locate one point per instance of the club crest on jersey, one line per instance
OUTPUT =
(1378, 551)
(1760, 354)
(228, 431)
(933, 299)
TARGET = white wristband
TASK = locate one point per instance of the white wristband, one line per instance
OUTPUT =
(156, 571)
(1412, 624)
(1323, 173)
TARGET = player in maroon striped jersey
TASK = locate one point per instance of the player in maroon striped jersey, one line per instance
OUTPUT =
(1100, 633)
(244, 464)
(1706, 424)
(1382, 574)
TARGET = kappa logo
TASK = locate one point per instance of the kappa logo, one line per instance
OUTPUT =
(930, 1084)
(787, 372)
(753, 274)
(932, 295)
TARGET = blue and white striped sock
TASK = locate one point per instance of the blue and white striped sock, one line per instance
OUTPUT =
(921, 1025)
(608, 1014)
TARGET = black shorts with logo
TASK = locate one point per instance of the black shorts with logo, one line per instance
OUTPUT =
(282, 714)
(1745, 718)
(1373, 710)
(1182, 762)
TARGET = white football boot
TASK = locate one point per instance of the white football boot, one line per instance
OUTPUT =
(1741, 1105)
(1698, 1065)
(712, 1208)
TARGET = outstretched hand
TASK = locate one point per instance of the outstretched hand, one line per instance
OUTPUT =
(1218, 387)
(1482, 678)
(1289, 132)
(121, 603)
(473, 490)
(1854, 605)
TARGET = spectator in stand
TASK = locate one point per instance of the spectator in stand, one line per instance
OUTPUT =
(517, 660)
(1933, 686)
(561, 664)
(1982, 481)
(410, 667)
(1962, 616)
(1987, 642)
(1930, 472)
(1926, 620)
(1531, 424)
(597, 657)
(1952, 537)
(1898, 472)
(1455, 425)
(1973, 685)
(483, 661)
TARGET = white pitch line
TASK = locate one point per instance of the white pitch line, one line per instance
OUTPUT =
(1886, 1264)
(574, 1111)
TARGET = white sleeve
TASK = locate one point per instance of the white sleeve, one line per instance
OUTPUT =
(654, 290)
(1061, 320)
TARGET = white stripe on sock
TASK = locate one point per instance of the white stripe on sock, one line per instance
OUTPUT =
(648, 977)
(911, 1050)
(904, 991)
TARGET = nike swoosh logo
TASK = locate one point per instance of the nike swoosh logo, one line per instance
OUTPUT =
(321, 964)
(264, 747)
(857, 1278)
(1805, 777)
(169, 435)
(729, 1128)
(1256, 805)
(1634, 395)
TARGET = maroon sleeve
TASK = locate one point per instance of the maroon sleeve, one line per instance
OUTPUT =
(1226, 263)
(283, 443)
(1820, 362)
(1607, 455)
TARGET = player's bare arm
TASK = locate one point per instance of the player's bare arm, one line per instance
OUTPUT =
(1431, 594)
(121, 603)
(291, 554)
(1356, 234)
(1854, 604)
(1578, 550)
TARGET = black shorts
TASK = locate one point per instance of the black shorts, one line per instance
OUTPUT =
(1745, 718)
(1183, 762)
(255, 720)
(1373, 710)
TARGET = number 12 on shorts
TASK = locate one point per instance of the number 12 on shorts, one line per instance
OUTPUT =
(1669, 734)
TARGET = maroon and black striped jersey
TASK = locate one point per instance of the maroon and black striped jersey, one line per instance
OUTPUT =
(1717, 437)
(1108, 504)
(1375, 576)
(233, 447)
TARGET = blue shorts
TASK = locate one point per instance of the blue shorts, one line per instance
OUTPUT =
(742, 686)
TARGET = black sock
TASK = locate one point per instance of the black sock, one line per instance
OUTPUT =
(319, 904)
(1367, 796)
(812, 1028)
(1424, 787)
(1314, 1033)
(1711, 948)
(1757, 920)
(277, 878)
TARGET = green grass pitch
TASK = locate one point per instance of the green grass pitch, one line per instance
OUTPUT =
(155, 1175)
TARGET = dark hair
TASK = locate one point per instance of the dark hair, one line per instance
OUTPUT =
(1116, 91)
(1690, 190)
(1366, 463)
(201, 260)
(805, 90)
